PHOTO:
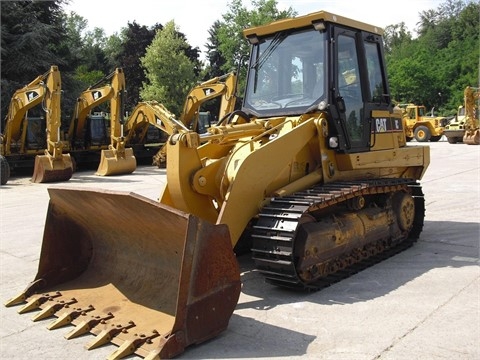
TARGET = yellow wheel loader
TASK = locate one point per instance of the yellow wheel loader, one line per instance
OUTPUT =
(420, 126)
(38, 137)
(313, 174)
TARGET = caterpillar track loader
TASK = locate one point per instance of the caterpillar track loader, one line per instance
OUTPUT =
(465, 128)
(313, 173)
(27, 136)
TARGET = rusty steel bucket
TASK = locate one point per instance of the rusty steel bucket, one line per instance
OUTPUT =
(146, 277)
(114, 162)
(48, 168)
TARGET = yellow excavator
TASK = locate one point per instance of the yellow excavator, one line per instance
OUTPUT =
(148, 113)
(466, 125)
(29, 136)
(223, 87)
(88, 132)
(313, 173)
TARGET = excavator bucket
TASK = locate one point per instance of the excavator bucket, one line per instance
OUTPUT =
(113, 162)
(146, 277)
(472, 137)
(50, 169)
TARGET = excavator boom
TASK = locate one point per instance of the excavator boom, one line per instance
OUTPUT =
(472, 133)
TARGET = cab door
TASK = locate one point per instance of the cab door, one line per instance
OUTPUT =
(359, 87)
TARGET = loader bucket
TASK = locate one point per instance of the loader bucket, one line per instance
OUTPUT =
(146, 277)
(113, 162)
(50, 169)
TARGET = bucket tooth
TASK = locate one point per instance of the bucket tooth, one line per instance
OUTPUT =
(107, 335)
(68, 316)
(153, 355)
(50, 309)
(22, 297)
(130, 346)
(87, 325)
(36, 301)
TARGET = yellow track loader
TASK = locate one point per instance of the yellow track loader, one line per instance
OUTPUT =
(24, 134)
(313, 175)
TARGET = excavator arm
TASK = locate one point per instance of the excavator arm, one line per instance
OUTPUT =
(88, 100)
(223, 86)
(112, 88)
(150, 113)
(472, 131)
(54, 165)
(117, 159)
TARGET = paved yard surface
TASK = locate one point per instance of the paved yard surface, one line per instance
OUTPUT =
(423, 303)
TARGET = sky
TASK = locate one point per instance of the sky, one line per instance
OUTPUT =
(194, 18)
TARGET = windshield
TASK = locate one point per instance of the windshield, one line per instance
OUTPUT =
(286, 74)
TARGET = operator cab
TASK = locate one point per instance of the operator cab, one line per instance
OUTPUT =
(320, 65)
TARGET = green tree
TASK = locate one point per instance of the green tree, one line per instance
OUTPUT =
(231, 44)
(169, 71)
(86, 61)
(134, 40)
(434, 68)
(30, 38)
(214, 57)
(395, 35)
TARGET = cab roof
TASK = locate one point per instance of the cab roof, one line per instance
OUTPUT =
(308, 20)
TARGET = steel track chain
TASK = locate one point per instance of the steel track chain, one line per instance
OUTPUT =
(274, 232)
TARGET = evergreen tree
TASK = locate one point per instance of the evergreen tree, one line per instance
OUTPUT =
(169, 71)
(31, 32)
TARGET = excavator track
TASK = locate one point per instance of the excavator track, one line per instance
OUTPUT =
(276, 233)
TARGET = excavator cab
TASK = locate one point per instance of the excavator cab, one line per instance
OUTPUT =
(314, 169)
(97, 131)
(36, 137)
